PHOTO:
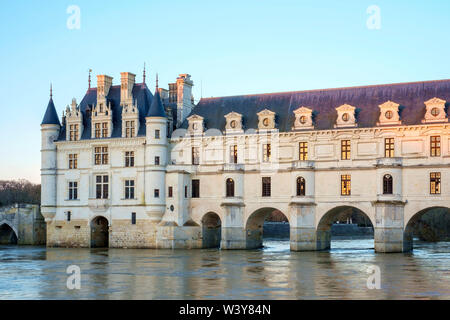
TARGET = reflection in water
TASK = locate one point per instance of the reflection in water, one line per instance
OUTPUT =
(269, 273)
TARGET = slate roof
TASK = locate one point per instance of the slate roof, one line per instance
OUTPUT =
(156, 108)
(141, 94)
(50, 116)
(411, 97)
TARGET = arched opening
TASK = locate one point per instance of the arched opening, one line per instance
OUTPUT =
(387, 184)
(211, 230)
(230, 188)
(99, 233)
(428, 225)
(345, 227)
(7, 235)
(267, 227)
(301, 186)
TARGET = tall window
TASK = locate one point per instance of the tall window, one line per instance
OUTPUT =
(73, 132)
(69, 215)
(98, 132)
(156, 193)
(129, 129)
(266, 152)
(387, 184)
(195, 188)
(435, 146)
(233, 154)
(101, 187)
(73, 161)
(345, 149)
(101, 155)
(104, 129)
(157, 161)
(129, 189)
(345, 185)
(170, 192)
(129, 158)
(185, 191)
(435, 183)
(73, 190)
(230, 187)
(195, 155)
(157, 134)
(301, 186)
(266, 187)
(388, 147)
(303, 148)
(133, 218)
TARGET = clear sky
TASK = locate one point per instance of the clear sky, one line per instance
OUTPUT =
(229, 48)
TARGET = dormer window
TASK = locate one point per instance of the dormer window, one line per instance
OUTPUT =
(346, 116)
(389, 114)
(266, 119)
(74, 120)
(435, 111)
(130, 120)
(233, 122)
(303, 119)
(102, 125)
(195, 124)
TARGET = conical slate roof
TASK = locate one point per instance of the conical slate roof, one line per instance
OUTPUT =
(156, 108)
(51, 116)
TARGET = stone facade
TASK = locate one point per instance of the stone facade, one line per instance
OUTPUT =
(214, 178)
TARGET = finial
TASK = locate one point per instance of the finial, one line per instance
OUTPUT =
(157, 81)
(90, 70)
(51, 91)
(143, 76)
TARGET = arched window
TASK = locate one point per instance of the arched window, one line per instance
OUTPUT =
(230, 187)
(387, 184)
(300, 186)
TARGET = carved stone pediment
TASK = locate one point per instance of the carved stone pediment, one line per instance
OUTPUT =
(233, 122)
(303, 119)
(266, 119)
(346, 116)
(435, 111)
(195, 124)
(389, 114)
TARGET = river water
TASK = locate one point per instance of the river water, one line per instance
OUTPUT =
(270, 273)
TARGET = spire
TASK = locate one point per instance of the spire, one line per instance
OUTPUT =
(89, 80)
(143, 76)
(51, 116)
(156, 108)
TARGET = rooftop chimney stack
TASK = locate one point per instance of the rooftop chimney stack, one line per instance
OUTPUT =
(127, 81)
(184, 96)
(104, 83)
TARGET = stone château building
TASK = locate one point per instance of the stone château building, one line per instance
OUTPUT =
(130, 168)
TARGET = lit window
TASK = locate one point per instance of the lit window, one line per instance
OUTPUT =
(97, 130)
(129, 189)
(233, 154)
(345, 150)
(101, 187)
(266, 152)
(435, 183)
(303, 149)
(345, 185)
(301, 186)
(389, 147)
(435, 146)
(104, 130)
(73, 161)
(101, 155)
(73, 132)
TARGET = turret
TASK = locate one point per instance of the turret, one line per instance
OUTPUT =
(50, 128)
(156, 158)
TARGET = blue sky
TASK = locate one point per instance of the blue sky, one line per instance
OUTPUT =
(229, 48)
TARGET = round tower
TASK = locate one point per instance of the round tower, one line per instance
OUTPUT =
(156, 158)
(50, 128)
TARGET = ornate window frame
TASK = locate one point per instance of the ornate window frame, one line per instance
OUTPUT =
(303, 119)
(389, 114)
(433, 105)
(345, 116)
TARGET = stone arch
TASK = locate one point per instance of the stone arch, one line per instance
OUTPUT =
(411, 223)
(325, 221)
(211, 230)
(99, 232)
(254, 226)
(8, 233)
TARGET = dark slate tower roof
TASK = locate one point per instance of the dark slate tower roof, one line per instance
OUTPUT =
(411, 97)
(141, 95)
(156, 108)
(51, 116)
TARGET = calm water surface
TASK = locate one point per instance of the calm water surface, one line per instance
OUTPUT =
(270, 273)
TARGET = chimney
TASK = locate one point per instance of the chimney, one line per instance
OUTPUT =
(127, 81)
(104, 83)
(184, 96)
